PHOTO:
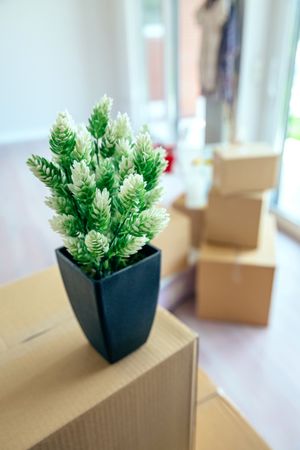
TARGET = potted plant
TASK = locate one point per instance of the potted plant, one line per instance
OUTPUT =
(104, 185)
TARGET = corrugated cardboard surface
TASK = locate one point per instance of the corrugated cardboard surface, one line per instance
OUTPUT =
(174, 242)
(56, 392)
(234, 219)
(32, 306)
(246, 167)
(221, 427)
(197, 217)
(235, 285)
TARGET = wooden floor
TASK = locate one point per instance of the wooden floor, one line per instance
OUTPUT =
(259, 368)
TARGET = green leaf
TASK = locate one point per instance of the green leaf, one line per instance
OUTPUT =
(153, 196)
(84, 146)
(62, 205)
(150, 223)
(131, 194)
(122, 127)
(126, 246)
(77, 248)
(47, 172)
(62, 136)
(99, 118)
(105, 175)
(126, 167)
(97, 244)
(148, 161)
(101, 210)
(83, 184)
(108, 143)
(66, 225)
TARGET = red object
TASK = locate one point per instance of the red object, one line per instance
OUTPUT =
(170, 156)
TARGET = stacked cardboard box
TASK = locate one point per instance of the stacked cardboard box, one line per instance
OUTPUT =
(235, 219)
(174, 241)
(57, 392)
(244, 168)
(196, 217)
(236, 264)
(177, 276)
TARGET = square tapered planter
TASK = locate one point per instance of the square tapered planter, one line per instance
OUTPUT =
(116, 312)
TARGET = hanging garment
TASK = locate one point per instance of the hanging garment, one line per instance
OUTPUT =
(211, 17)
(229, 57)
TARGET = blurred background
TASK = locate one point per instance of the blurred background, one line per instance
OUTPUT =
(201, 74)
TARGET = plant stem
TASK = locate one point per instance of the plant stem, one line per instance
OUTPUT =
(73, 200)
(97, 150)
(114, 238)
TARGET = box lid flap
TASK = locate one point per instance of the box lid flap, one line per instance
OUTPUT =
(245, 151)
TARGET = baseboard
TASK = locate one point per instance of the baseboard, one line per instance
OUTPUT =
(287, 226)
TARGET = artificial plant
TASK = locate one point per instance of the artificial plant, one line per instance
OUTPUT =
(104, 185)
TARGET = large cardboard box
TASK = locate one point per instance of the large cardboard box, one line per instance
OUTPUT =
(197, 220)
(235, 285)
(216, 412)
(245, 167)
(174, 243)
(234, 219)
(221, 427)
(56, 392)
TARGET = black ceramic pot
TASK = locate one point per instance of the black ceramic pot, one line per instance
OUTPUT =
(116, 313)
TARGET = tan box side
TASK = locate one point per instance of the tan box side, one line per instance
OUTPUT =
(245, 167)
(234, 219)
(221, 427)
(174, 243)
(197, 217)
(143, 415)
(235, 294)
(263, 255)
(236, 286)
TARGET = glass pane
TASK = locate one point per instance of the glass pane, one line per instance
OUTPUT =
(289, 191)
(157, 28)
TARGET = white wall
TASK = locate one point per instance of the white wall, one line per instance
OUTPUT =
(58, 54)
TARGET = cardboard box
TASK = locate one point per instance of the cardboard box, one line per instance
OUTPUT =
(58, 393)
(235, 285)
(245, 167)
(206, 388)
(197, 220)
(221, 427)
(215, 412)
(234, 219)
(174, 243)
